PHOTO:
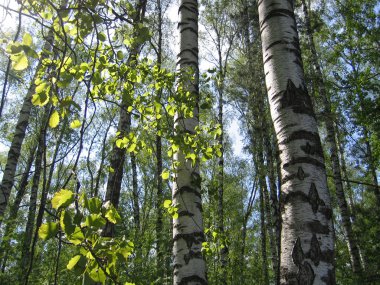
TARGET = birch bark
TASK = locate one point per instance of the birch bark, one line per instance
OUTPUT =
(307, 243)
(189, 264)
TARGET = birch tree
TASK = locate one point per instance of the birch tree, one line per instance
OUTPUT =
(307, 243)
(19, 134)
(189, 265)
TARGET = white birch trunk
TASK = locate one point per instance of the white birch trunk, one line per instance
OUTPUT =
(189, 265)
(307, 243)
(19, 135)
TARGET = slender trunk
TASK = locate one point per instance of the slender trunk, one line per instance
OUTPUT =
(45, 189)
(11, 221)
(307, 241)
(189, 264)
(160, 265)
(349, 190)
(246, 216)
(263, 234)
(271, 232)
(274, 204)
(115, 176)
(331, 139)
(136, 218)
(257, 151)
(371, 166)
(242, 251)
(135, 194)
(102, 159)
(19, 135)
(341, 147)
(271, 217)
(25, 253)
(220, 219)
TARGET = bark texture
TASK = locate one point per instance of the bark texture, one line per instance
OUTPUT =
(189, 264)
(307, 243)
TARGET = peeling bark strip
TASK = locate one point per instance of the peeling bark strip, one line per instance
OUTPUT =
(307, 245)
(189, 265)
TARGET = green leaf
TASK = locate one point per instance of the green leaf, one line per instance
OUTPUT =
(46, 15)
(30, 52)
(102, 37)
(14, 48)
(77, 237)
(66, 223)
(192, 156)
(111, 214)
(75, 124)
(165, 174)
(19, 61)
(42, 87)
(167, 203)
(125, 252)
(94, 205)
(40, 99)
(120, 55)
(132, 147)
(27, 39)
(78, 218)
(73, 261)
(54, 120)
(95, 221)
(48, 230)
(62, 198)
(97, 274)
(122, 143)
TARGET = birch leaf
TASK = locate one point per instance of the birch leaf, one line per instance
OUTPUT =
(48, 230)
(167, 203)
(19, 61)
(54, 120)
(75, 124)
(62, 199)
(40, 99)
(165, 174)
(27, 39)
(73, 261)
